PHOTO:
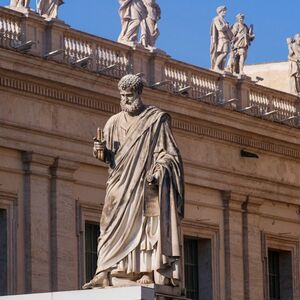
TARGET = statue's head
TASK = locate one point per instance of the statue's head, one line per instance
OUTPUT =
(240, 18)
(131, 88)
(222, 10)
(297, 39)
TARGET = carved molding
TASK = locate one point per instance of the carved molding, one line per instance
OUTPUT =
(96, 103)
(57, 94)
(239, 139)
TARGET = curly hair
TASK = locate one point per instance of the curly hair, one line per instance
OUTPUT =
(131, 81)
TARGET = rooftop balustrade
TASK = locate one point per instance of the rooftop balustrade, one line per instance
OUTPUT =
(55, 40)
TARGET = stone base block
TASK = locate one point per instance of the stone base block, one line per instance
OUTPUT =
(118, 293)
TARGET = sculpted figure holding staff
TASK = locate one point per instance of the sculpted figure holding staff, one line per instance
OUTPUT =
(140, 239)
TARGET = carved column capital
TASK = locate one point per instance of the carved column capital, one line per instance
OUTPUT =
(232, 200)
(36, 163)
(253, 204)
(64, 169)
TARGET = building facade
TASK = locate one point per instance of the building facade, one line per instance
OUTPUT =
(239, 141)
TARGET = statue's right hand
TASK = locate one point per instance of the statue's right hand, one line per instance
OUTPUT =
(99, 145)
(99, 150)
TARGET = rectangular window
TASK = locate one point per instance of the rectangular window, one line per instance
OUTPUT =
(198, 268)
(280, 274)
(92, 232)
(3, 252)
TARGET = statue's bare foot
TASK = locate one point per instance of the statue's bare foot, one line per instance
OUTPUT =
(99, 280)
(145, 279)
(219, 70)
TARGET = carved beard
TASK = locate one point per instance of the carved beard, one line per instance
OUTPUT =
(132, 108)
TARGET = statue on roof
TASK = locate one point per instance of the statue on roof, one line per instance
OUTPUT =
(133, 14)
(221, 36)
(19, 3)
(49, 8)
(151, 31)
(294, 62)
(242, 38)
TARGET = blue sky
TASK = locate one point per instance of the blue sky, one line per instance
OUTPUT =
(185, 25)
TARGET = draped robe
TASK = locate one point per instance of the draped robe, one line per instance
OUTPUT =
(132, 13)
(130, 241)
(49, 7)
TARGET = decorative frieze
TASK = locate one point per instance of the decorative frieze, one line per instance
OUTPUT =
(112, 108)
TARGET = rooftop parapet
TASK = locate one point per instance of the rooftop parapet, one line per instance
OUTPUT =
(54, 40)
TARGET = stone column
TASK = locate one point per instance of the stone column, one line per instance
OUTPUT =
(157, 67)
(33, 28)
(253, 252)
(36, 221)
(228, 88)
(233, 245)
(54, 37)
(140, 58)
(243, 89)
(64, 262)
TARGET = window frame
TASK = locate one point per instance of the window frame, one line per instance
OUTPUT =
(91, 214)
(281, 243)
(9, 202)
(195, 230)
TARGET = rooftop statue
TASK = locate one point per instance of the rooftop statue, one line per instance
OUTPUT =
(49, 8)
(133, 14)
(19, 3)
(294, 61)
(221, 36)
(140, 239)
(242, 38)
(151, 31)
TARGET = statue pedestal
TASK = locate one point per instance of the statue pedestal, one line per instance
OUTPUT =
(114, 293)
(22, 10)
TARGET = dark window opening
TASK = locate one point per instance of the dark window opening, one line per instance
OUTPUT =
(92, 233)
(3, 252)
(198, 268)
(280, 275)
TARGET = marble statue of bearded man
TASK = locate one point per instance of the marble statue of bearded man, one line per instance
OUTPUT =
(140, 234)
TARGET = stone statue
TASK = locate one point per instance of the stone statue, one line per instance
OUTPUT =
(49, 8)
(132, 14)
(19, 3)
(140, 240)
(151, 31)
(294, 61)
(221, 36)
(242, 38)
